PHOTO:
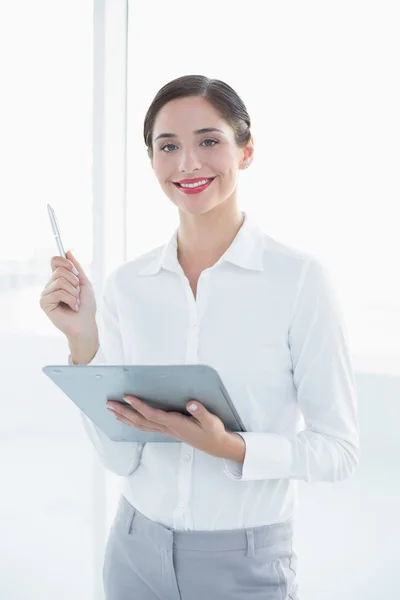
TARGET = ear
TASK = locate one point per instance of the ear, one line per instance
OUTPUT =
(250, 149)
(248, 152)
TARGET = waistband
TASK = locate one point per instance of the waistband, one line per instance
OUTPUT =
(129, 520)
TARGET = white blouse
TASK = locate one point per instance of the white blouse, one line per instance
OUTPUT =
(267, 319)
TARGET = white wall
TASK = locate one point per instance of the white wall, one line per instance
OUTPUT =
(347, 534)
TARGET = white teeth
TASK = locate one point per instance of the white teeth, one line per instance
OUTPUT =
(193, 185)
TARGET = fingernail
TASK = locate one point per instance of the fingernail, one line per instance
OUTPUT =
(75, 271)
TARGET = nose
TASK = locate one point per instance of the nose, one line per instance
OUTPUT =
(189, 162)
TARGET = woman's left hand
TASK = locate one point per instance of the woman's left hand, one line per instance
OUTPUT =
(202, 430)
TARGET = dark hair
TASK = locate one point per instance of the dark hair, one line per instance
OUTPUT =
(219, 94)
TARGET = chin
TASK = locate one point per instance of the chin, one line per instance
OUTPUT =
(193, 204)
(198, 209)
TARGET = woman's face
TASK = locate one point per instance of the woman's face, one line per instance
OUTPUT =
(184, 154)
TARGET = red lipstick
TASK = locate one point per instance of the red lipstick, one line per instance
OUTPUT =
(194, 190)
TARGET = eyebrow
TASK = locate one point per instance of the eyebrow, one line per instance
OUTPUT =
(197, 132)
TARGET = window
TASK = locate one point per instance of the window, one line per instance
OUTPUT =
(46, 145)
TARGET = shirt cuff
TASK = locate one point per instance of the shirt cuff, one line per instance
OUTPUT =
(268, 456)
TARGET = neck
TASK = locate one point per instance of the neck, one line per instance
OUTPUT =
(203, 239)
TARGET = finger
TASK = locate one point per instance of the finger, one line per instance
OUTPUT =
(143, 426)
(60, 284)
(60, 261)
(132, 415)
(155, 415)
(63, 272)
(126, 412)
(52, 300)
(78, 266)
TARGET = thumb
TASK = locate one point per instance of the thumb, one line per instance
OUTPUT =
(206, 419)
(82, 275)
(196, 409)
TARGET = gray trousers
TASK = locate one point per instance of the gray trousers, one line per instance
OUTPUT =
(148, 561)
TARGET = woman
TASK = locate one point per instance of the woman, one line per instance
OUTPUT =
(212, 516)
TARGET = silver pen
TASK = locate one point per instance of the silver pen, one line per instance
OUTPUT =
(56, 230)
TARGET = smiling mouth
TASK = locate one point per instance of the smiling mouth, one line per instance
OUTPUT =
(193, 186)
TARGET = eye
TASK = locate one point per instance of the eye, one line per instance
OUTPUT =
(166, 146)
(210, 140)
(207, 146)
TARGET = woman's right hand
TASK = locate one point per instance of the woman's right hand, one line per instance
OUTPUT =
(60, 295)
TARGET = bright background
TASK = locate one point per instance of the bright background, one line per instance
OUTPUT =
(320, 81)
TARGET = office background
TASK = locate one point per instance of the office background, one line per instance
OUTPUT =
(320, 81)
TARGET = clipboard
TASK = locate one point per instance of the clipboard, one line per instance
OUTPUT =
(168, 387)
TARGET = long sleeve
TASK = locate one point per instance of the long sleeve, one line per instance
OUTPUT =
(328, 449)
(121, 458)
